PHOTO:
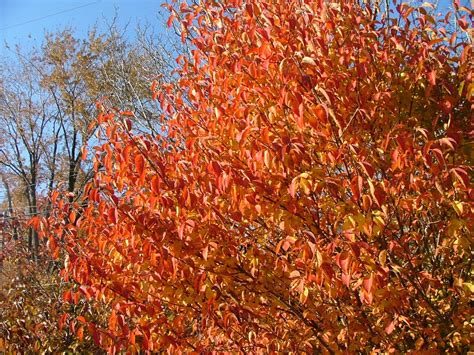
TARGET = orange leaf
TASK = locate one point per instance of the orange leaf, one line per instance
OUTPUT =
(140, 164)
(113, 320)
(170, 20)
(127, 113)
(390, 327)
(432, 77)
(321, 113)
(80, 333)
(368, 282)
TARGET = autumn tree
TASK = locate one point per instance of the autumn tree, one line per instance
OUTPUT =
(311, 192)
(79, 73)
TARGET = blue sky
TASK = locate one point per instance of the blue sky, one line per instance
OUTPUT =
(25, 21)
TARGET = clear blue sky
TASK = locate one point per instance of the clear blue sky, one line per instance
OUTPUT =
(25, 21)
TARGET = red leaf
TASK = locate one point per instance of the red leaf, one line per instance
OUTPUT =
(113, 215)
(62, 320)
(368, 168)
(292, 188)
(356, 186)
(67, 296)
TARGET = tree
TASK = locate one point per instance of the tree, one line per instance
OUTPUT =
(25, 120)
(311, 192)
(78, 73)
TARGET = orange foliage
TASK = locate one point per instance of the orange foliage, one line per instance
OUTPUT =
(311, 192)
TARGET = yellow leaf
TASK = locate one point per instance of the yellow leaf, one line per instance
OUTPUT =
(267, 159)
(251, 335)
(379, 221)
(294, 274)
(304, 295)
(306, 186)
(427, 4)
(319, 258)
(468, 287)
(458, 207)
(281, 66)
(349, 223)
(308, 60)
(419, 343)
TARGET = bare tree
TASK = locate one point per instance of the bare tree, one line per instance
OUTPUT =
(25, 121)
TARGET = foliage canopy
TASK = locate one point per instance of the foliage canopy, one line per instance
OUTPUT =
(312, 190)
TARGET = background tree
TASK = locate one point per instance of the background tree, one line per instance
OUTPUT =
(102, 68)
(25, 119)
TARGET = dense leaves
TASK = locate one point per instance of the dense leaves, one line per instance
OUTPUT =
(35, 315)
(311, 192)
